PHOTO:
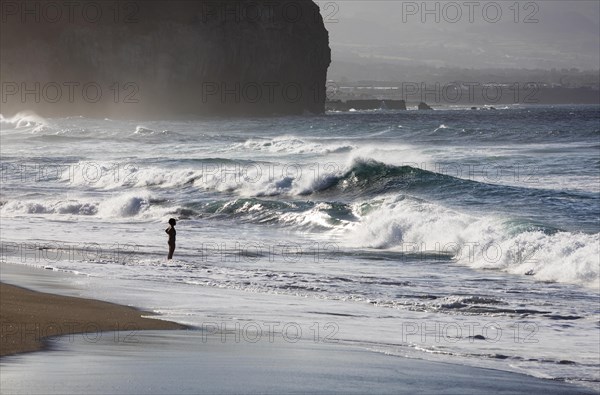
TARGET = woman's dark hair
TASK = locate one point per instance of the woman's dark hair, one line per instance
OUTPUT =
(172, 221)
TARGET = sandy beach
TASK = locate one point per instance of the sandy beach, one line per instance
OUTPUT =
(188, 362)
(132, 360)
(28, 318)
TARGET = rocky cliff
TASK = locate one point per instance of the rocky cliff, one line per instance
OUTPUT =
(163, 58)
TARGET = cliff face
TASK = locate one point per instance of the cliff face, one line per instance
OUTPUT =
(164, 58)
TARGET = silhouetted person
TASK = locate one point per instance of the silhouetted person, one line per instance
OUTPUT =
(171, 232)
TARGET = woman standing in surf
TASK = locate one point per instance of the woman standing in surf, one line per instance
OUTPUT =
(172, 233)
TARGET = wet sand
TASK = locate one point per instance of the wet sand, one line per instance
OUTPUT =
(28, 318)
(131, 360)
(195, 362)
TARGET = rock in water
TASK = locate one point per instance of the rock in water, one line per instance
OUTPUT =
(163, 58)
(424, 106)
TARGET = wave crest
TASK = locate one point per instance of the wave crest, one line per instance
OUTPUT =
(415, 226)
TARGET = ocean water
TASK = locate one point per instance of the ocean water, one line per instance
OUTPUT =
(465, 236)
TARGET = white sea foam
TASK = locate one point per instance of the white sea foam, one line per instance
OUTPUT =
(483, 242)
(119, 206)
(316, 217)
(74, 207)
(252, 180)
(142, 130)
(22, 120)
(125, 205)
(441, 127)
(391, 154)
(293, 145)
(115, 175)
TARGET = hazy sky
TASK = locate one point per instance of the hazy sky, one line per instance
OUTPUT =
(475, 34)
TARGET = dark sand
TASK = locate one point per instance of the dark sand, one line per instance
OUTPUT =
(27, 318)
(191, 362)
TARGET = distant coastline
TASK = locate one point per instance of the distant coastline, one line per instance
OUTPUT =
(389, 95)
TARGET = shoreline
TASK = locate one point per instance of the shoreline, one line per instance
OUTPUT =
(193, 362)
(204, 361)
(29, 318)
